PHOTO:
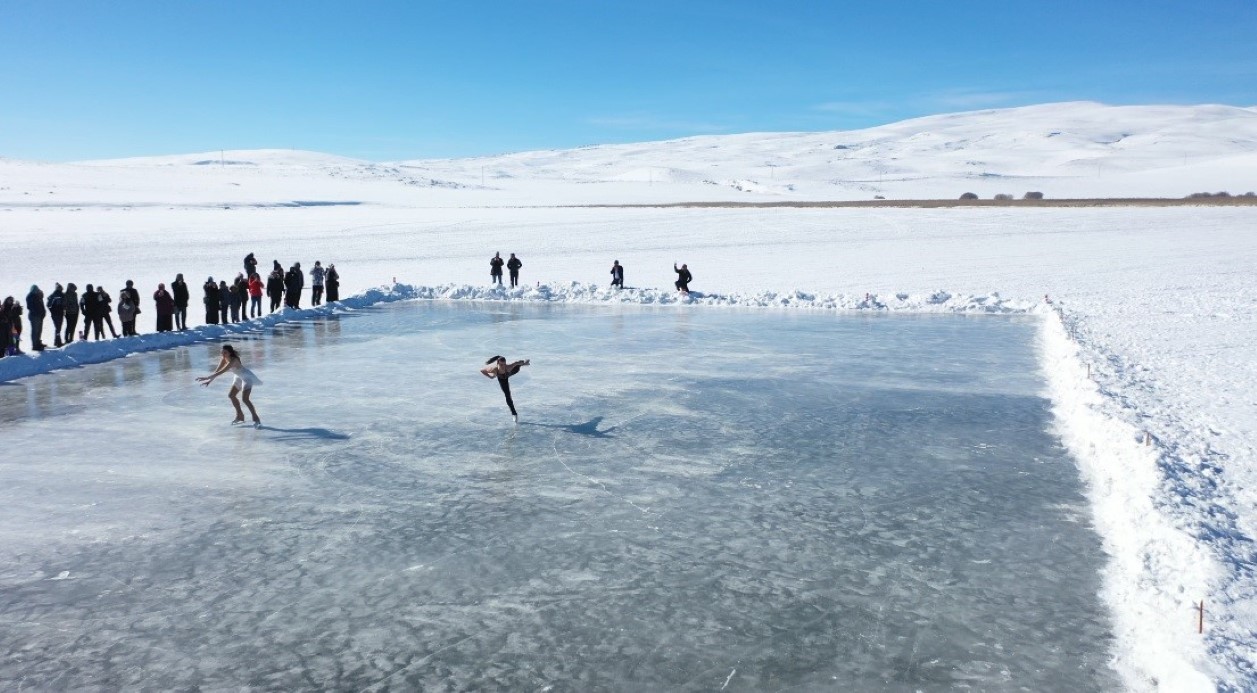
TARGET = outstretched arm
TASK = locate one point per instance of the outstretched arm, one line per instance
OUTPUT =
(488, 371)
(222, 368)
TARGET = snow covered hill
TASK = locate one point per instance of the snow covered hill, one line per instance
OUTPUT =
(1066, 150)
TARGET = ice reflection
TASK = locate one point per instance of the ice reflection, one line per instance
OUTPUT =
(693, 500)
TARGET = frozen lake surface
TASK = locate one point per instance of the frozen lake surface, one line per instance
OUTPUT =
(693, 500)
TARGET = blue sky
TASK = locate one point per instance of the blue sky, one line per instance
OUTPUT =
(397, 80)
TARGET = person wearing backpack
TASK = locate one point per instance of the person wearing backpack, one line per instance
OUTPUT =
(56, 310)
(134, 294)
(35, 313)
(127, 311)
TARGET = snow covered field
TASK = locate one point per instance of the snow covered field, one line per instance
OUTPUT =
(1157, 303)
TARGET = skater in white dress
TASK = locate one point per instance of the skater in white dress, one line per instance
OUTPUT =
(243, 383)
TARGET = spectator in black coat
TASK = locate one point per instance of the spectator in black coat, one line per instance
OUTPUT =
(275, 288)
(211, 301)
(333, 283)
(236, 298)
(35, 314)
(294, 281)
(7, 347)
(250, 265)
(104, 307)
(617, 275)
(90, 305)
(56, 311)
(224, 301)
(683, 278)
(513, 265)
(495, 269)
(71, 311)
(180, 294)
(134, 293)
(165, 308)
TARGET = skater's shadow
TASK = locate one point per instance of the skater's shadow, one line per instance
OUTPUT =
(589, 428)
(304, 433)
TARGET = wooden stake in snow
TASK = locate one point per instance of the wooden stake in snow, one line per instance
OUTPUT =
(1200, 623)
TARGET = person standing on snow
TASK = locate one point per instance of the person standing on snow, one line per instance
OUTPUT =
(104, 309)
(56, 310)
(617, 275)
(250, 265)
(134, 293)
(333, 283)
(683, 278)
(294, 281)
(35, 314)
(513, 265)
(275, 288)
(8, 346)
(126, 313)
(316, 283)
(181, 296)
(495, 269)
(71, 302)
(165, 308)
(255, 295)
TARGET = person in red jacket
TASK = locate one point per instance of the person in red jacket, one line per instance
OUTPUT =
(255, 295)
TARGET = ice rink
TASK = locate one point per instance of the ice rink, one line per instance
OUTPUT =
(692, 500)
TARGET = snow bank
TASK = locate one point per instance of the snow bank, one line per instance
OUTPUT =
(1156, 572)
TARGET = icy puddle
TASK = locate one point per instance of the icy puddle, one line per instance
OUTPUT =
(693, 500)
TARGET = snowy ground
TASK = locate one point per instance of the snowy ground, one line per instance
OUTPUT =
(1155, 303)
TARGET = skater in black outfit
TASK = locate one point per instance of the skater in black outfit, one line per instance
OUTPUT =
(513, 265)
(495, 269)
(498, 368)
(683, 278)
(617, 275)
